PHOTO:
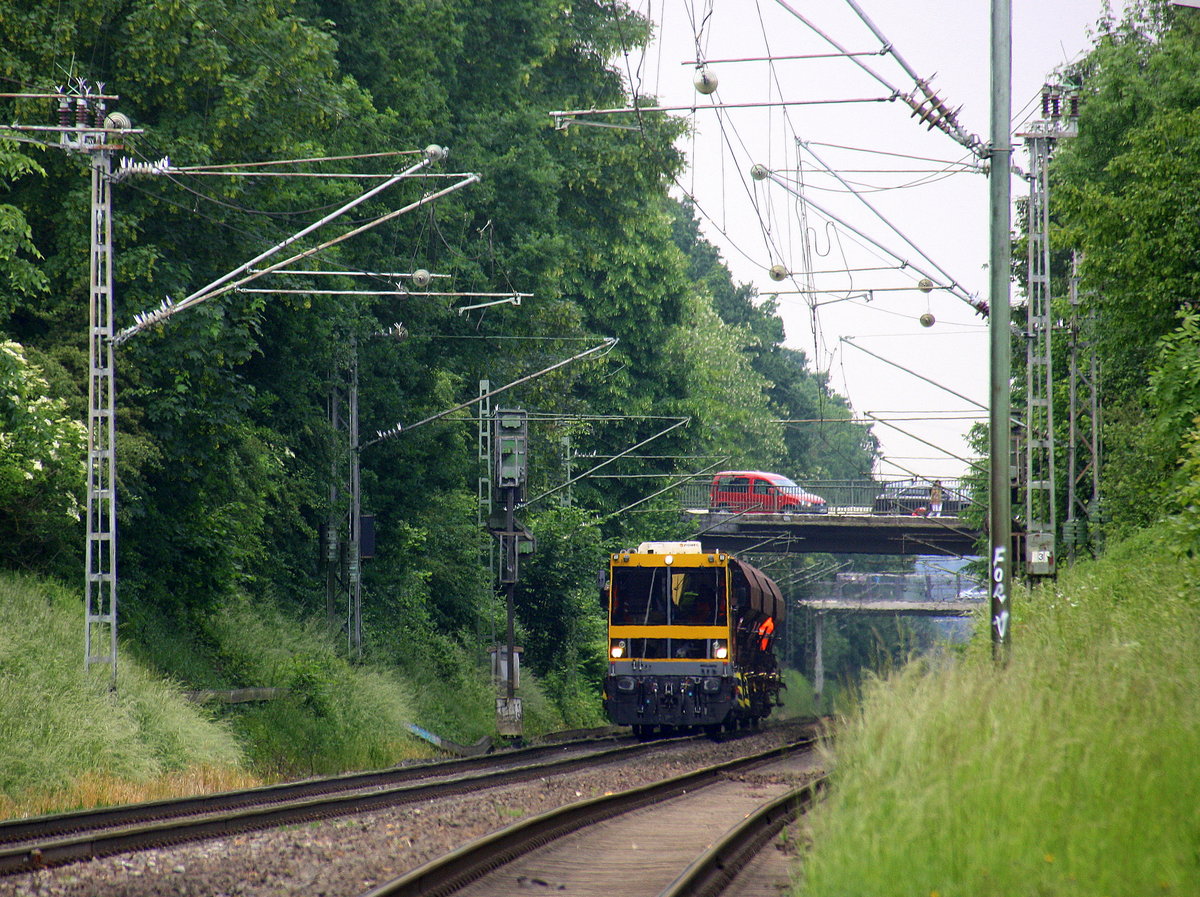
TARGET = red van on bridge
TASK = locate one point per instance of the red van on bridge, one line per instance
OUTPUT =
(756, 492)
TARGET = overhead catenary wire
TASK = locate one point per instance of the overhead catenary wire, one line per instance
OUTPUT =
(223, 222)
(974, 465)
(381, 275)
(322, 175)
(815, 182)
(229, 281)
(937, 116)
(886, 48)
(590, 471)
(683, 478)
(808, 281)
(564, 117)
(896, 230)
(891, 154)
(857, 188)
(801, 204)
(605, 347)
(848, 341)
(307, 160)
(173, 177)
(418, 293)
(782, 57)
(697, 29)
(957, 289)
(948, 118)
(772, 230)
(765, 230)
(833, 43)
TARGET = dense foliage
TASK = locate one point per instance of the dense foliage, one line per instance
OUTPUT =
(41, 464)
(227, 457)
(1125, 193)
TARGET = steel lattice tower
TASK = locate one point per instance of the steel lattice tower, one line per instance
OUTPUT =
(84, 126)
(100, 638)
(1041, 523)
(1083, 453)
(1039, 359)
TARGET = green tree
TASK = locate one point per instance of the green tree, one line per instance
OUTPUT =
(41, 469)
(226, 454)
(823, 446)
(1127, 185)
(20, 275)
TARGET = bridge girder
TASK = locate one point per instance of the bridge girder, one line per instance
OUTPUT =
(835, 534)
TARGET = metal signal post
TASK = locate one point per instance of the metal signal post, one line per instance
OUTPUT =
(510, 451)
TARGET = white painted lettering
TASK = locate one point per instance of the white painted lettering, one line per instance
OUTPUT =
(1000, 622)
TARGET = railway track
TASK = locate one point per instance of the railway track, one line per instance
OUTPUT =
(29, 844)
(710, 823)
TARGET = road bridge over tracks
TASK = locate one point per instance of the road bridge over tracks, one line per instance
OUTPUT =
(956, 607)
(861, 517)
(841, 531)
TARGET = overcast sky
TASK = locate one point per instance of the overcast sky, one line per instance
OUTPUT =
(757, 224)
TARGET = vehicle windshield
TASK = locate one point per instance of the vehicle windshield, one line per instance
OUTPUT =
(661, 596)
(783, 481)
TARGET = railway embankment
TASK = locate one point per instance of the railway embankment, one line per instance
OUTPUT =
(1068, 771)
(67, 741)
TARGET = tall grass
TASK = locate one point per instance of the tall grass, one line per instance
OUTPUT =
(1071, 772)
(798, 699)
(335, 716)
(65, 740)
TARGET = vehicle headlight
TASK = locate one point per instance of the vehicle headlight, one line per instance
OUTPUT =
(618, 650)
(720, 649)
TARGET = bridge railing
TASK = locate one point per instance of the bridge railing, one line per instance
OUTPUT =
(854, 496)
(927, 586)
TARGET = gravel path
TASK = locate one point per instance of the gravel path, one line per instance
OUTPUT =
(346, 856)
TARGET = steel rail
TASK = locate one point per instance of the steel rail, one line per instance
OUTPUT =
(127, 814)
(58, 840)
(460, 867)
(713, 871)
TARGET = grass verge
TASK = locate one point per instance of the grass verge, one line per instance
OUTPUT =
(1071, 773)
(67, 741)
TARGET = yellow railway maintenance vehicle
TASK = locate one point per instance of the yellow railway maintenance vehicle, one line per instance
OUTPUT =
(690, 639)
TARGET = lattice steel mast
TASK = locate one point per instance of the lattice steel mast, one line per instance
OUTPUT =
(1083, 503)
(84, 126)
(100, 640)
(1041, 523)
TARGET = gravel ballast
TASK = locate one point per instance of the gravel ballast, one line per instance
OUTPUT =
(352, 854)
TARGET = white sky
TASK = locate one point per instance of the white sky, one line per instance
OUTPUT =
(947, 218)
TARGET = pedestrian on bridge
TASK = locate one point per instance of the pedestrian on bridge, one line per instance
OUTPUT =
(935, 499)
